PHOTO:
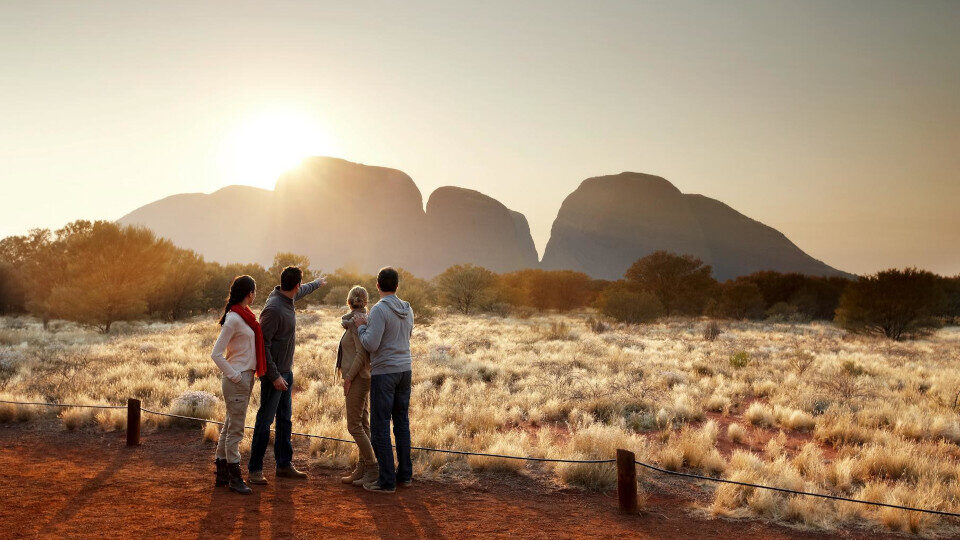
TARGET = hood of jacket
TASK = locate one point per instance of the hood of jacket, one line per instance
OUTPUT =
(347, 319)
(400, 307)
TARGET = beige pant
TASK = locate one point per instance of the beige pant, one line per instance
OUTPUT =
(235, 397)
(358, 417)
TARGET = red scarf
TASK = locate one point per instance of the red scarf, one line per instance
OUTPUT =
(251, 320)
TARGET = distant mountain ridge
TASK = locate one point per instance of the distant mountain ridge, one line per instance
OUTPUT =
(610, 221)
(340, 213)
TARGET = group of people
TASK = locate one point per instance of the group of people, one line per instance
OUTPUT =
(373, 362)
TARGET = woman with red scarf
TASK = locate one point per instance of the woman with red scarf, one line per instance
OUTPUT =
(239, 354)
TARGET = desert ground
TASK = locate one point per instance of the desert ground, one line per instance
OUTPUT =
(799, 406)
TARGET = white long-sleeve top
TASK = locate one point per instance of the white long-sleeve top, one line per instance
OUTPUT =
(235, 350)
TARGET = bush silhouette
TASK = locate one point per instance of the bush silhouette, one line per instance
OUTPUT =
(681, 283)
(739, 300)
(897, 304)
(625, 304)
(560, 290)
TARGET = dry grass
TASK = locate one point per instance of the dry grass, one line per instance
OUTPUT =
(563, 387)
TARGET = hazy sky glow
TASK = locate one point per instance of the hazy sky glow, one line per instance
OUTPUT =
(837, 122)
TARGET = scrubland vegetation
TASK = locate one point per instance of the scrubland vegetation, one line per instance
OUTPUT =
(99, 273)
(847, 387)
(798, 405)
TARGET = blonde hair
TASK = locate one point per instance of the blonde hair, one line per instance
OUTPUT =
(357, 297)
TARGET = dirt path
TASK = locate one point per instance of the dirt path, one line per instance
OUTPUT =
(56, 483)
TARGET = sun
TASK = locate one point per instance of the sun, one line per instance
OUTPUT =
(267, 144)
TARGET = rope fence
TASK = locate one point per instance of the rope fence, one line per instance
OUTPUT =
(626, 460)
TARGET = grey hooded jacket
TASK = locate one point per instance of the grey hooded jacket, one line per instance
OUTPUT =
(387, 336)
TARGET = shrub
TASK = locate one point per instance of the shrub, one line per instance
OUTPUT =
(736, 433)
(197, 404)
(557, 330)
(596, 325)
(740, 359)
(740, 300)
(76, 417)
(338, 296)
(801, 361)
(784, 312)
(711, 331)
(760, 414)
(629, 306)
(897, 304)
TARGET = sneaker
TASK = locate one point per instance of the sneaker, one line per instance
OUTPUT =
(256, 477)
(405, 483)
(290, 472)
(377, 488)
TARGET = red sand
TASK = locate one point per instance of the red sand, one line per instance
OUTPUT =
(57, 483)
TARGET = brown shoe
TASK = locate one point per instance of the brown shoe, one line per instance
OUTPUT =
(256, 477)
(291, 472)
(370, 475)
(355, 475)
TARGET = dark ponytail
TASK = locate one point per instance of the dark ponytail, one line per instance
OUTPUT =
(239, 289)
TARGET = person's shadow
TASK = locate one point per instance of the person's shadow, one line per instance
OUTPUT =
(76, 503)
(283, 511)
(228, 509)
(406, 510)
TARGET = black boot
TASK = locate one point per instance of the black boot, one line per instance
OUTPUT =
(236, 479)
(223, 476)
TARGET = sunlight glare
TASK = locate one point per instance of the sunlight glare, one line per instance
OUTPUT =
(268, 144)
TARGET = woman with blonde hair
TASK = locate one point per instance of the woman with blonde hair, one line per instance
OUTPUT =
(353, 365)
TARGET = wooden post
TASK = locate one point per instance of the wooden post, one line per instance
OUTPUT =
(133, 422)
(627, 481)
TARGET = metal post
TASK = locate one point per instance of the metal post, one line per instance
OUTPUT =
(627, 481)
(133, 422)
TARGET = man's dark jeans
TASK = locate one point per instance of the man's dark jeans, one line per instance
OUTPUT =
(390, 398)
(274, 405)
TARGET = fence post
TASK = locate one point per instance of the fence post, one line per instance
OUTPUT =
(627, 481)
(133, 422)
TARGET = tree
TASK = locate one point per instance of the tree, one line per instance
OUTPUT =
(897, 304)
(682, 283)
(12, 293)
(183, 283)
(952, 290)
(218, 279)
(561, 290)
(418, 292)
(36, 264)
(740, 299)
(465, 287)
(110, 273)
(626, 304)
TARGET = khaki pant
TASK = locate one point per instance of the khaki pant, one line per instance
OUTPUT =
(358, 417)
(235, 397)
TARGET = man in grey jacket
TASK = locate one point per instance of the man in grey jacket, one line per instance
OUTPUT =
(386, 335)
(278, 322)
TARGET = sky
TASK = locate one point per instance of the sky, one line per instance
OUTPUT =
(835, 122)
